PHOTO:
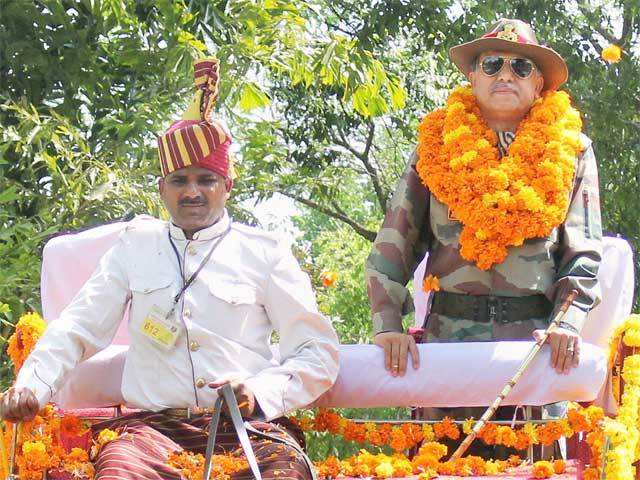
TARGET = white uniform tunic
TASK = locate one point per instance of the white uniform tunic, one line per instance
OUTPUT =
(251, 286)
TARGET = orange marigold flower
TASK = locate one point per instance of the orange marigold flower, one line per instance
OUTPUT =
(559, 466)
(446, 428)
(355, 432)
(447, 468)
(433, 449)
(398, 441)
(488, 433)
(550, 432)
(612, 53)
(431, 283)
(542, 469)
(329, 278)
(72, 426)
(590, 474)
(514, 460)
(522, 440)
(506, 436)
(385, 433)
(425, 462)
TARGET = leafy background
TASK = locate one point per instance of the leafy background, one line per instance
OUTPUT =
(323, 98)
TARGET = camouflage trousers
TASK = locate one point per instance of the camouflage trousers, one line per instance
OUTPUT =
(442, 329)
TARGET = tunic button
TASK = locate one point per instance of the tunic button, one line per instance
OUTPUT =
(192, 250)
(194, 346)
(187, 313)
(201, 382)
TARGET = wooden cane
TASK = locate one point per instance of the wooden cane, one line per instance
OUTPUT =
(3, 451)
(14, 447)
(511, 383)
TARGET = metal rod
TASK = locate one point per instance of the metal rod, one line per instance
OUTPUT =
(458, 422)
(527, 415)
(603, 458)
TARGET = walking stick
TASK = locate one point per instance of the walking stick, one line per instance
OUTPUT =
(11, 474)
(3, 451)
(511, 383)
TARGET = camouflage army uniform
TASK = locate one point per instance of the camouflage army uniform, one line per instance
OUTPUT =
(417, 223)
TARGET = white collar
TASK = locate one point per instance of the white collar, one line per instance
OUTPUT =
(205, 234)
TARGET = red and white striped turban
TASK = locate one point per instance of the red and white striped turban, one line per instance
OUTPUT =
(198, 139)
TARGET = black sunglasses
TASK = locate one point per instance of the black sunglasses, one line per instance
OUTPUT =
(521, 67)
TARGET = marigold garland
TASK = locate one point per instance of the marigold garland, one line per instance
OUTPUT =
(501, 202)
(408, 435)
(28, 331)
(40, 448)
(426, 464)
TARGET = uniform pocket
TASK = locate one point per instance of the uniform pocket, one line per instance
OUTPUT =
(233, 292)
(147, 292)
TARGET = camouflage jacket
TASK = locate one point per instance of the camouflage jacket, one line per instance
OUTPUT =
(416, 223)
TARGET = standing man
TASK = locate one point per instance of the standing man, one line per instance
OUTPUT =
(502, 194)
(205, 296)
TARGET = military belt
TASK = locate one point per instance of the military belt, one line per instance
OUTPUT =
(489, 308)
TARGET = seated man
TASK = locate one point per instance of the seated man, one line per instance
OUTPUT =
(205, 295)
(502, 194)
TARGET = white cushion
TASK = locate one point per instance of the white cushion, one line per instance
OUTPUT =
(451, 374)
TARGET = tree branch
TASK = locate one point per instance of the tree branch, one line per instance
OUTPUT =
(364, 158)
(597, 26)
(627, 18)
(359, 229)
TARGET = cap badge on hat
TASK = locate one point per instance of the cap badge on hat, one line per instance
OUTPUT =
(508, 33)
(513, 36)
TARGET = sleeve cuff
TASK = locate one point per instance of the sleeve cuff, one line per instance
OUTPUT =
(269, 390)
(575, 317)
(41, 389)
(387, 322)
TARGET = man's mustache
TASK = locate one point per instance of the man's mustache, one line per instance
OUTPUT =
(192, 203)
(503, 85)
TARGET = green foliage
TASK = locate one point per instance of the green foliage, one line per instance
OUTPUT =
(336, 249)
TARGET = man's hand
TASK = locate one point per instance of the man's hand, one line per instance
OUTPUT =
(244, 396)
(18, 405)
(397, 348)
(565, 348)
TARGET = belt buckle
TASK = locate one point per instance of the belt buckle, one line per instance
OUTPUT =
(493, 310)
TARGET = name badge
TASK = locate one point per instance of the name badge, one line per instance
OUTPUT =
(159, 329)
